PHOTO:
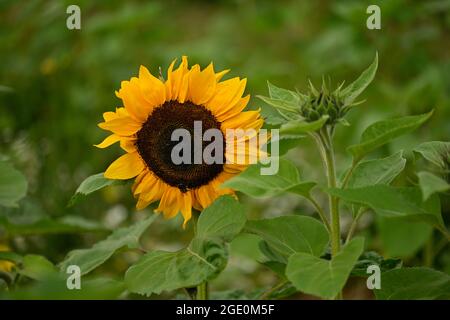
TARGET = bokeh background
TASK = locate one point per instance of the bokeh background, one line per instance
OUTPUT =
(55, 84)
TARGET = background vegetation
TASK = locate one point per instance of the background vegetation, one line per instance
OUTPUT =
(55, 84)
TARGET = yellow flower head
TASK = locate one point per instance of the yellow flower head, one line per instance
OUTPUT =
(5, 266)
(152, 110)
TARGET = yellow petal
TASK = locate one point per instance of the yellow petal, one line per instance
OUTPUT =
(168, 204)
(184, 87)
(125, 126)
(202, 84)
(168, 83)
(234, 109)
(109, 115)
(138, 181)
(134, 101)
(109, 140)
(153, 89)
(227, 95)
(244, 120)
(185, 203)
(175, 78)
(128, 144)
(220, 74)
(126, 167)
(205, 195)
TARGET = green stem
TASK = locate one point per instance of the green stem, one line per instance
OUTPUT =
(428, 256)
(202, 288)
(354, 224)
(266, 295)
(329, 161)
(348, 174)
(320, 212)
(202, 291)
(324, 143)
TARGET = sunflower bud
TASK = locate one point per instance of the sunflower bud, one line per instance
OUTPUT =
(324, 102)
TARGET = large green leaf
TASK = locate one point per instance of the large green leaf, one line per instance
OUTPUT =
(414, 284)
(437, 152)
(324, 278)
(353, 90)
(67, 224)
(158, 271)
(401, 237)
(224, 225)
(372, 258)
(384, 131)
(431, 184)
(13, 185)
(285, 143)
(37, 267)
(89, 259)
(394, 202)
(91, 184)
(251, 181)
(202, 260)
(54, 287)
(291, 234)
(378, 171)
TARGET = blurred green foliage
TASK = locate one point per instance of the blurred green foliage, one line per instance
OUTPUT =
(55, 83)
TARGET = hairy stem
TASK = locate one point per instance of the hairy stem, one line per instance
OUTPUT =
(354, 224)
(348, 174)
(329, 162)
(202, 291)
(324, 142)
(266, 295)
(321, 213)
(202, 288)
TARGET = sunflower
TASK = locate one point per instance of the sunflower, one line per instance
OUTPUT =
(5, 265)
(153, 109)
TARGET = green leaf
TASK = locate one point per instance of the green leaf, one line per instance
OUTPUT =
(67, 224)
(54, 287)
(378, 171)
(285, 143)
(437, 152)
(158, 271)
(285, 104)
(431, 184)
(324, 278)
(414, 284)
(10, 256)
(225, 225)
(401, 237)
(291, 234)
(89, 259)
(289, 96)
(91, 184)
(13, 185)
(251, 181)
(286, 107)
(300, 127)
(384, 131)
(394, 202)
(352, 91)
(37, 267)
(372, 258)
(274, 117)
(202, 260)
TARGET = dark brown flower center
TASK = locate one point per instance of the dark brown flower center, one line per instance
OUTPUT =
(155, 145)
